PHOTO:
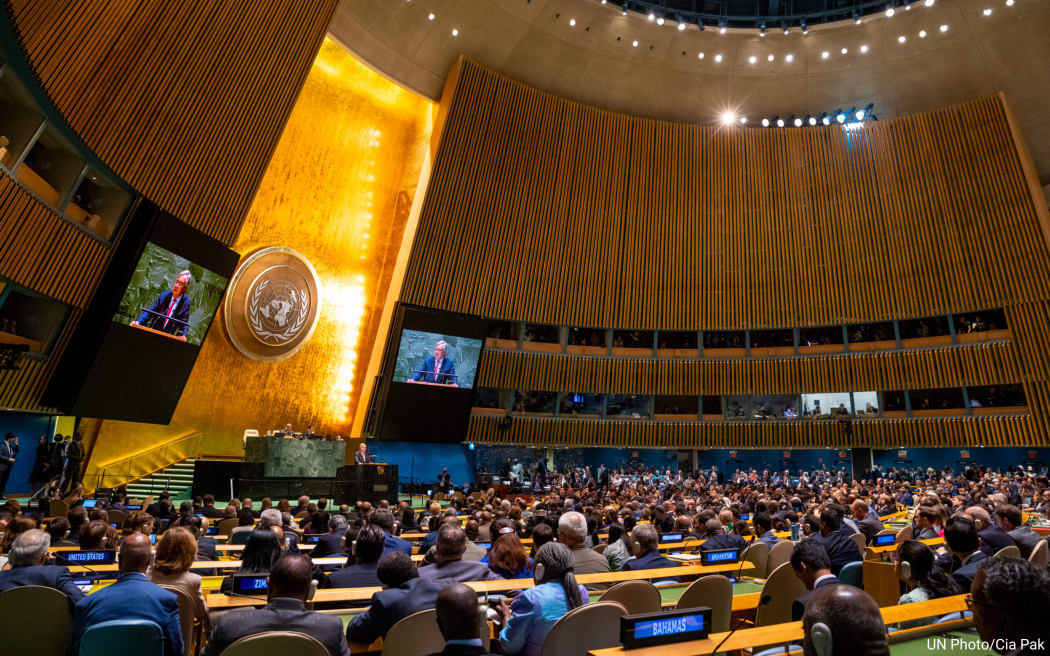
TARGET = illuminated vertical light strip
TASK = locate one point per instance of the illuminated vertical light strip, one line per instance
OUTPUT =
(349, 299)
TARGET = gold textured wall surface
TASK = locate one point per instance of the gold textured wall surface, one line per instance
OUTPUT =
(338, 189)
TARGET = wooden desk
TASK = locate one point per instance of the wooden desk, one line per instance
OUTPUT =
(218, 547)
(893, 547)
(216, 601)
(783, 633)
(201, 564)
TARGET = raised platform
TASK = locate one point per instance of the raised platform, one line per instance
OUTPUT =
(247, 479)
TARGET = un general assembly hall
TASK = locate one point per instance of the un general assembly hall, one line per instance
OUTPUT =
(524, 327)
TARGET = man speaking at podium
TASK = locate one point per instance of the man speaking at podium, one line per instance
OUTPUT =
(361, 456)
(436, 369)
(170, 313)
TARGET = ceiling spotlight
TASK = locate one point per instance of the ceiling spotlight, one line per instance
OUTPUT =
(700, 56)
(860, 115)
(987, 12)
(825, 119)
(430, 16)
(902, 39)
(721, 26)
(922, 34)
(865, 112)
(798, 122)
(681, 26)
(864, 48)
(718, 59)
(944, 28)
(841, 116)
(743, 120)
(752, 59)
(765, 122)
(1009, 3)
(634, 43)
(812, 120)
(728, 118)
(825, 54)
(780, 122)
(789, 58)
(455, 32)
(652, 16)
(856, 18)
(770, 58)
(845, 50)
(890, 11)
(929, 3)
(660, 20)
(572, 22)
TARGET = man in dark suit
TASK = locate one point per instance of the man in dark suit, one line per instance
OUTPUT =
(457, 617)
(209, 510)
(1024, 537)
(361, 455)
(867, 522)
(717, 538)
(366, 550)
(132, 597)
(8, 451)
(406, 593)
(812, 567)
(205, 544)
(436, 369)
(27, 557)
(840, 547)
(992, 537)
(451, 545)
(384, 519)
(960, 534)
(286, 611)
(763, 524)
(170, 313)
(647, 542)
(162, 508)
(331, 543)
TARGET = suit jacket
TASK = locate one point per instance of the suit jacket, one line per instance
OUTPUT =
(964, 575)
(870, 527)
(281, 614)
(390, 606)
(769, 538)
(7, 453)
(993, 539)
(446, 374)
(798, 607)
(841, 549)
(723, 541)
(1026, 539)
(397, 544)
(131, 597)
(462, 650)
(206, 548)
(327, 545)
(587, 561)
(361, 575)
(360, 458)
(211, 512)
(153, 318)
(50, 576)
(459, 570)
(651, 560)
(191, 584)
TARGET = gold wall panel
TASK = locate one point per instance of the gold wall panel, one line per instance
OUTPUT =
(338, 190)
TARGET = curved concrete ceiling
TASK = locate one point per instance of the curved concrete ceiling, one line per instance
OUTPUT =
(584, 50)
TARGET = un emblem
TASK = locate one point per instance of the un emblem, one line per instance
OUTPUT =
(272, 306)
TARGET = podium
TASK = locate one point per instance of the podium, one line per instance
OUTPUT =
(350, 483)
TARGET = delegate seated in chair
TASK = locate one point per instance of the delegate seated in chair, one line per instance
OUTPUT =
(842, 620)
(289, 587)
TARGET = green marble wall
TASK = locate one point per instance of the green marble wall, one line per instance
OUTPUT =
(293, 457)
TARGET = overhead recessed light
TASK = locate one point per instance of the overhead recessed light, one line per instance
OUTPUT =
(634, 43)
(902, 39)
(681, 26)
(890, 12)
(765, 122)
(700, 56)
(743, 120)
(752, 59)
(455, 32)
(845, 51)
(718, 58)
(812, 120)
(922, 34)
(728, 118)
(987, 12)
(864, 48)
(798, 122)
(789, 58)
(430, 16)
(652, 16)
(929, 3)
(722, 30)
(1009, 3)
(825, 54)
(660, 20)
(857, 20)
(780, 122)
(770, 58)
(944, 28)
(572, 22)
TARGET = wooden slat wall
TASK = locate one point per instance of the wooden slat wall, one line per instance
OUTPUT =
(185, 100)
(568, 214)
(544, 210)
(984, 364)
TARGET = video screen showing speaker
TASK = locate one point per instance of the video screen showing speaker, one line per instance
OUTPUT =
(171, 296)
(430, 370)
(135, 347)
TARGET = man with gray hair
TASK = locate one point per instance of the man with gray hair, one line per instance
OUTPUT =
(437, 368)
(331, 543)
(170, 313)
(27, 557)
(572, 532)
(647, 549)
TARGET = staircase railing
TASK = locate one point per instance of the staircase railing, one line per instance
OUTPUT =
(132, 468)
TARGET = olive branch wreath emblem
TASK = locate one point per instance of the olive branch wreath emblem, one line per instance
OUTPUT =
(256, 323)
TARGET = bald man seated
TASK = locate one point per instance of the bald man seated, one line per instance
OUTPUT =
(460, 624)
(132, 597)
(289, 587)
(842, 620)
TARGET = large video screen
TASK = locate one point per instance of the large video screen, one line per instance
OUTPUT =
(430, 367)
(136, 344)
(171, 296)
(437, 359)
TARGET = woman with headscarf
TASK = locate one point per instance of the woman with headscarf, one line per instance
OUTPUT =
(529, 618)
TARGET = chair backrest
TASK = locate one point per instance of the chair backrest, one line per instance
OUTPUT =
(600, 548)
(116, 516)
(756, 553)
(886, 531)
(415, 635)
(58, 508)
(1008, 552)
(285, 643)
(713, 591)
(778, 555)
(852, 574)
(903, 534)
(226, 526)
(186, 607)
(1038, 557)
(239, 537)
(635, 596)
(251, 432)
(591, 626)
(861, 540)
(783, 588)
(123, 638)
(26, 607)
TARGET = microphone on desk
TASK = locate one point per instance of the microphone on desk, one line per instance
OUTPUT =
(742, 561)
(74, 563)
(761, 602)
